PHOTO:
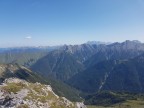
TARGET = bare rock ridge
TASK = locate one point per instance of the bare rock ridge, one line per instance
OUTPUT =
(17, 93)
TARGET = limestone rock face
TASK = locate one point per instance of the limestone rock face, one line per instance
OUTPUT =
(17, 93)
(80, 105)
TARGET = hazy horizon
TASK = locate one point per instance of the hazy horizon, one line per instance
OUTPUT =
(58, 22)
(36, 46)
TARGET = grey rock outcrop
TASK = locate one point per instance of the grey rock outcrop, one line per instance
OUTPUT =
(16, 93)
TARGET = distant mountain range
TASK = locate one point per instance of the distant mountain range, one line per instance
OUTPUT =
(108, 72)
(90, 67)
(24, 55)
(69, 60)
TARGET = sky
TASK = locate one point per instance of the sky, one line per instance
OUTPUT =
(58, 22)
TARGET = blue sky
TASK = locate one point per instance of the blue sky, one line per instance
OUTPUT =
(56, 22)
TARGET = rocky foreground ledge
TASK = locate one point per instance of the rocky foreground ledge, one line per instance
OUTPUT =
(17, 93)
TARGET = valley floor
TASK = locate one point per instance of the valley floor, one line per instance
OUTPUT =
(127, 104)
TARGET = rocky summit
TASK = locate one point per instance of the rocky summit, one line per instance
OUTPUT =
(18, 93)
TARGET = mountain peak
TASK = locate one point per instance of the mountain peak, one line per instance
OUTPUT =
(98, 43)
(132, 41)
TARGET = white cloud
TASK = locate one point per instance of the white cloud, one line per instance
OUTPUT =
(28, 37)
